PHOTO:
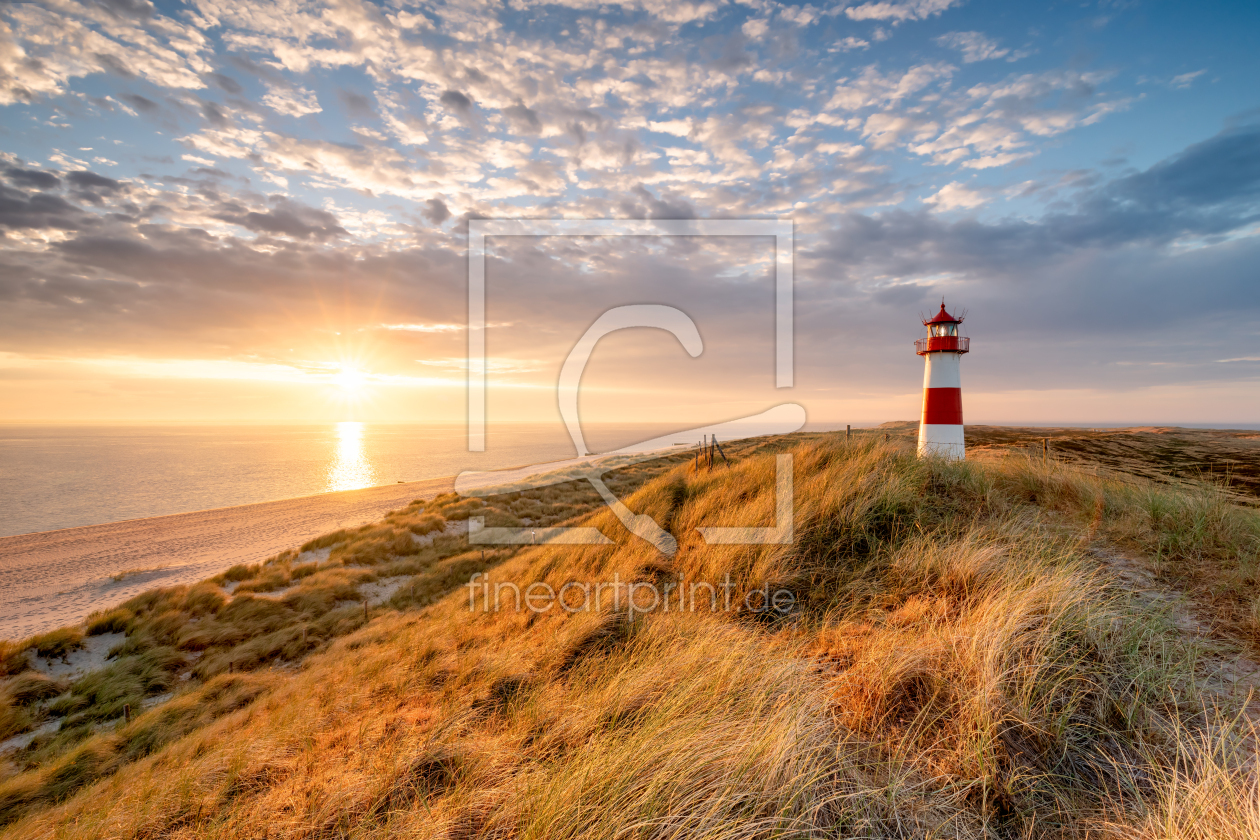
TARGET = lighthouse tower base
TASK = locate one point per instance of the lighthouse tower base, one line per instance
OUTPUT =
(941, 427)
(942, 441)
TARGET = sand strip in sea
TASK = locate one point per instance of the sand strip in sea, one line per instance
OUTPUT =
(55, 578)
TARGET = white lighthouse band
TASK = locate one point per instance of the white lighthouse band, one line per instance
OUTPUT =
(941, 423)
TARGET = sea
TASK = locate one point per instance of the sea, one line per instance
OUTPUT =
(54, 477)
(65, 476)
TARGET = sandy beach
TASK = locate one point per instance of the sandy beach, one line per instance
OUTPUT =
(55, 578)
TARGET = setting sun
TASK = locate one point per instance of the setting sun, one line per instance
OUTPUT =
(350, 380)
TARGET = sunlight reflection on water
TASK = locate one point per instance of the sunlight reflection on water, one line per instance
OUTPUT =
(350, 469)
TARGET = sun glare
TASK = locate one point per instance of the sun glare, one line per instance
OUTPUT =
(349, 379)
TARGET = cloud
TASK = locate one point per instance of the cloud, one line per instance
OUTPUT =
(954, 196)
(755, 28)
(1209, 190)
(1210, 186)
(872, 88)
(141, 103)
(36, 178)
(40, 211)
(93, 188)
(43, 49)
(424, 328)
(436, 211)
(293, 102)
(974, 46)
(455, 100)
(849, 43)
(900, 11)
(1186, 79)
(524, 120)
(225, 83)
(289, 218)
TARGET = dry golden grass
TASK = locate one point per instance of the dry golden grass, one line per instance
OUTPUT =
(957, 665)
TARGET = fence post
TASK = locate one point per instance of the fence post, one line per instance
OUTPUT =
(1045, 451)
(127, 712)
(848, 432)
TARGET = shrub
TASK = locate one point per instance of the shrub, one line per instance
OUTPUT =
(326, 541)
(303, 571)
(426, 524)
(30, 686)
(109, 621)
(56, 644)
(241, 572)
(204, 599)
(13, 658)
(271, 579)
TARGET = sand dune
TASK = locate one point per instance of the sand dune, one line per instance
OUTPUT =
(56, 578)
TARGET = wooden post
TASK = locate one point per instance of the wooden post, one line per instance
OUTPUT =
(127, 712)
(230, 666)
(725, 460)
(1045, 450)
(848, 432)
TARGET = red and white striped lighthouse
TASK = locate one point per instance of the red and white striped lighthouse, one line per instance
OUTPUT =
(941, 428)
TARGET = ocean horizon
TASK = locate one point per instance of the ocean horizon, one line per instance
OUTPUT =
(59, 476)
(69, 475)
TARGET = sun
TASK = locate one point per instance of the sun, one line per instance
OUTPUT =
(350, 380)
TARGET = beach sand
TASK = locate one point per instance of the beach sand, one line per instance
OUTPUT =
(56, 578)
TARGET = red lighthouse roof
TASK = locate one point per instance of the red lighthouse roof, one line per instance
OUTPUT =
(943, 317)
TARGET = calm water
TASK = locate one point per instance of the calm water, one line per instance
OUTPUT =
(63, 477)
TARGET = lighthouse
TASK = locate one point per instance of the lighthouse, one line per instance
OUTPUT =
(941, 427)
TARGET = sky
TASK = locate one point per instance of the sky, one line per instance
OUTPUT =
(256, 211)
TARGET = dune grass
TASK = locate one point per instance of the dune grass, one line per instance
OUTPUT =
(248, 618)
(957, 663)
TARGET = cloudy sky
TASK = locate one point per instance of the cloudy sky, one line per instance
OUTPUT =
(257, 210)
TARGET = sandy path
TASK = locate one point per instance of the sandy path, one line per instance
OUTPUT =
(56, 578)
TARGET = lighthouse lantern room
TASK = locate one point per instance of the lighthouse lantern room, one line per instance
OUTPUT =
(941, 426)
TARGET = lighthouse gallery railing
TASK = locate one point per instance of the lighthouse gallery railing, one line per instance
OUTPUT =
(947, 343)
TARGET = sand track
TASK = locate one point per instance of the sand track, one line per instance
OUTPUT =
(55, 578)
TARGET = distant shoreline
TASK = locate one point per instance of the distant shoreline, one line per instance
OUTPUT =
(50, 579)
